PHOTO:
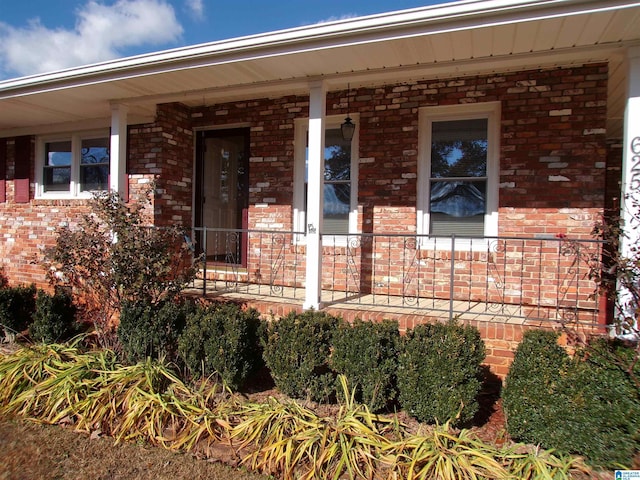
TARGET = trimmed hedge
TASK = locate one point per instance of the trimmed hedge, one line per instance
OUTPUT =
(54, 319)
(366, 353)
(297, 351)
(439, 373)
(587, 405)
(532, 392)
(152, 330)
(17, 306)
(222, 339)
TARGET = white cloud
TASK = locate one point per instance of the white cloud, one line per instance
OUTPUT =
(195, 8)
(346, 16)
(101, 33)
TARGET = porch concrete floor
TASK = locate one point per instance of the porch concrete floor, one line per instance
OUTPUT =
(369, 307)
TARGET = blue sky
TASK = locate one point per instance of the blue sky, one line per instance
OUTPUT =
(44, 35)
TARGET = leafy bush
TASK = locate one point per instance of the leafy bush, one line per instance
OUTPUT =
(152, 330)
(589, 404)
(114, 255)
(54, 319)
(366, 354)
(439, 372)
(531, 396)
(4, 281)
(224, 339)
(17, 306)
(297, 352)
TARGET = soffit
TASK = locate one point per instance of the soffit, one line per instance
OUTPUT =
(435, 42)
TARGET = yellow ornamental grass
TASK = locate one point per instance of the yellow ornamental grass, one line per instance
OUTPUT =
(442, 454)
(147, 401)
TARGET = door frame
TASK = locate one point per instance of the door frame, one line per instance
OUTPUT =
(243, 199)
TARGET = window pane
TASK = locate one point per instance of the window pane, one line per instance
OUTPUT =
(445, 225)
(336, 208)
(459, 148)
(337, 156)
(458, 199)
(57, 179)
(94, 164)
(57, 166)
(95, 150)
(58, 154)
(336, 199)
(94, 177)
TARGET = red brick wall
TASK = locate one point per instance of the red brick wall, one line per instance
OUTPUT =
(552, 160)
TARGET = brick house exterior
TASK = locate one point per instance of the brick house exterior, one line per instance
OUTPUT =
(559, 167)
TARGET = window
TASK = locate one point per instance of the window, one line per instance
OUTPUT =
(74, 165)
(458, 170)
(340, 168)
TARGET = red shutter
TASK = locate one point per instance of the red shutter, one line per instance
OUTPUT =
(23, 169)
(3, 170)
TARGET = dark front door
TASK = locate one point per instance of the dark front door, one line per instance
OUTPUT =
(222, 193)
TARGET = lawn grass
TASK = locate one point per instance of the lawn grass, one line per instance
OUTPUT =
(30, 451)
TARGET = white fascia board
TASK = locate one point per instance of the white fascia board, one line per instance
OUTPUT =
(420, 21)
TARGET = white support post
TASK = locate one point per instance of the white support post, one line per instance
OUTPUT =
(630, 188)
(118, 151)
(315, 176)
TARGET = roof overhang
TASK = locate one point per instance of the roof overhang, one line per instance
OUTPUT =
(455, 39)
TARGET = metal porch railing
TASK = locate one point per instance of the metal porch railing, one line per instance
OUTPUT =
(515, 279)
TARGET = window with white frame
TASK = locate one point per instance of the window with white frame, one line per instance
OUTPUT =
(339, 182)
(73, 165)
(458, 170)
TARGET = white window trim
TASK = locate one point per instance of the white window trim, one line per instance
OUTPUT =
(428, 115)
(301, 126)
(76, 147)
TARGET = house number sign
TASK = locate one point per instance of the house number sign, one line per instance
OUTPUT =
(634, 184)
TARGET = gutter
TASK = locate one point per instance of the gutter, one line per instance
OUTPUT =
(387, 26)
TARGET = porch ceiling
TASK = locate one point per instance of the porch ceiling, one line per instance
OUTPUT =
(461, 38)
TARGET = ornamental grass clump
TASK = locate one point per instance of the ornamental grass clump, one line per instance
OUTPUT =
(443, 454)
(95, 393)
(439, 373)
(291, 441)
(46, 382)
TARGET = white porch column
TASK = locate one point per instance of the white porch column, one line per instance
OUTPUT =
(315, 176)
(118, 150)
(630, 194)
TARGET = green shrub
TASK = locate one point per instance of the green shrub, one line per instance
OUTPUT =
(297, 352)
(4, 281)
(17, 306)
(439, 372)
(587, 405)
(223, 339)
(54, 319)
(366, 354)
(532, 392)
(152, 329)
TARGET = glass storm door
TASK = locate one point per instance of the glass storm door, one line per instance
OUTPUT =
(222, 193)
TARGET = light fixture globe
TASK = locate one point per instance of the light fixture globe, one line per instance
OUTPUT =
(348, 128)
